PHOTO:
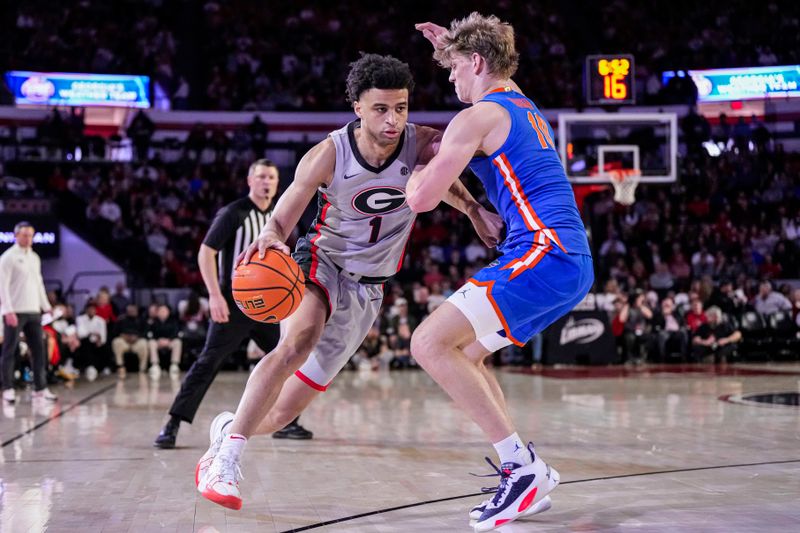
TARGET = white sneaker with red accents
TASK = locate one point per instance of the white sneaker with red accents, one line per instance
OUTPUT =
(520, 488)
(215, 441)
(221, 484)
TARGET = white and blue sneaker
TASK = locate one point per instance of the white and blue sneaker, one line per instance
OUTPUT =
(521, 487)
(476, 512)
(215, 440)
(544, 505)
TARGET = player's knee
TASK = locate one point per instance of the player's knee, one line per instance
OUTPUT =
(424, 342)
(280, 417)
(292, 355)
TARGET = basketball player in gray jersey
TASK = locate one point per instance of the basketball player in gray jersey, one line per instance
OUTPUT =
(359, 174)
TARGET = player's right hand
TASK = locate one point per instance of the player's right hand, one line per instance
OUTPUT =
(261, 245)
(11, 320)
(488, 226)
(219, 308)
(434, 33)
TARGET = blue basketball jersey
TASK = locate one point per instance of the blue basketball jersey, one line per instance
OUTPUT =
(526, 183)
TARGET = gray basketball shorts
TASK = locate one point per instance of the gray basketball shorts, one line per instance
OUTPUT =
(353, 307)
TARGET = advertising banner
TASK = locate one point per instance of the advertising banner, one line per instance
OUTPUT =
(581, 337)
(71, 89)
(721, 85)
(46, 240)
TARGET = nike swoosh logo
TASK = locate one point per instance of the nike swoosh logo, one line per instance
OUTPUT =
(350, 176)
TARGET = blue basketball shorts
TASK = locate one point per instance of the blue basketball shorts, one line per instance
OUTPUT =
(523, 292)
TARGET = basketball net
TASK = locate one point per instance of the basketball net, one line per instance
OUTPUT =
(625, 181)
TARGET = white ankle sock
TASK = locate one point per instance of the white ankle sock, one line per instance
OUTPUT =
(233, 445)
(512, 450)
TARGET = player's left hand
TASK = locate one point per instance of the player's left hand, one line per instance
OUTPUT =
(487, 225)
(434, 33)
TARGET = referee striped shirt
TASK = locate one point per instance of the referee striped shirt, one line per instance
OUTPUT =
(234, 228)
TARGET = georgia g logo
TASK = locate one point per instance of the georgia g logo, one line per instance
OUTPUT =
(379, 200)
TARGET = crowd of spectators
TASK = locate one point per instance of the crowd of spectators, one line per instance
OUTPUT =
(731, 221)
(111, 333)
(678, 272)
(243, 55)
(704, 252)
(150, 217)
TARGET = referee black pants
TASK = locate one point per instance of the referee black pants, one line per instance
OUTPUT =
(31, 325)
(221, 341)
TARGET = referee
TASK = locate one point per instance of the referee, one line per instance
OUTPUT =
(22, 300)
(234, 228)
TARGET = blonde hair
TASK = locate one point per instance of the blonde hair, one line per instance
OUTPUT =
(488, 37)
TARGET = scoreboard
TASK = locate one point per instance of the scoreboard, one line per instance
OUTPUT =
(609, 79)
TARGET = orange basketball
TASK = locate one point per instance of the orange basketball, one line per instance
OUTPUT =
(268, 289)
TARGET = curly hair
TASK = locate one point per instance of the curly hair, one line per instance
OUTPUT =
(488, 37)
(373, 71)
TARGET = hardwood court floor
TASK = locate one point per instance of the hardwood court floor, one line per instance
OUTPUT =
(637, 450)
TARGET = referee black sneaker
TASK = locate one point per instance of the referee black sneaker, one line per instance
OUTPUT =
(293, 431)
(166, 439)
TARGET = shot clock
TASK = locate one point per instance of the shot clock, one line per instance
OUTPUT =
(609, 79)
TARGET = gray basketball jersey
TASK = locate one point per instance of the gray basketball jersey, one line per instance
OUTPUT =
(364, 221)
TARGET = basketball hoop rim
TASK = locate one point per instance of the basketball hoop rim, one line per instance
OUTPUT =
(625, 181)
(623, 175)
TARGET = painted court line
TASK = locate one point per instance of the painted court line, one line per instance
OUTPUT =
(60, 413)
(428, 502)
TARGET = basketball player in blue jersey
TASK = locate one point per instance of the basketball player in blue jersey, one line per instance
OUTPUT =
(359, 175)
(546, 266)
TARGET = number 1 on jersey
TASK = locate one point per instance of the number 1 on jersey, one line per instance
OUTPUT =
(376, 229)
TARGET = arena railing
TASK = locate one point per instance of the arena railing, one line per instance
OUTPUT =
(72, 293)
